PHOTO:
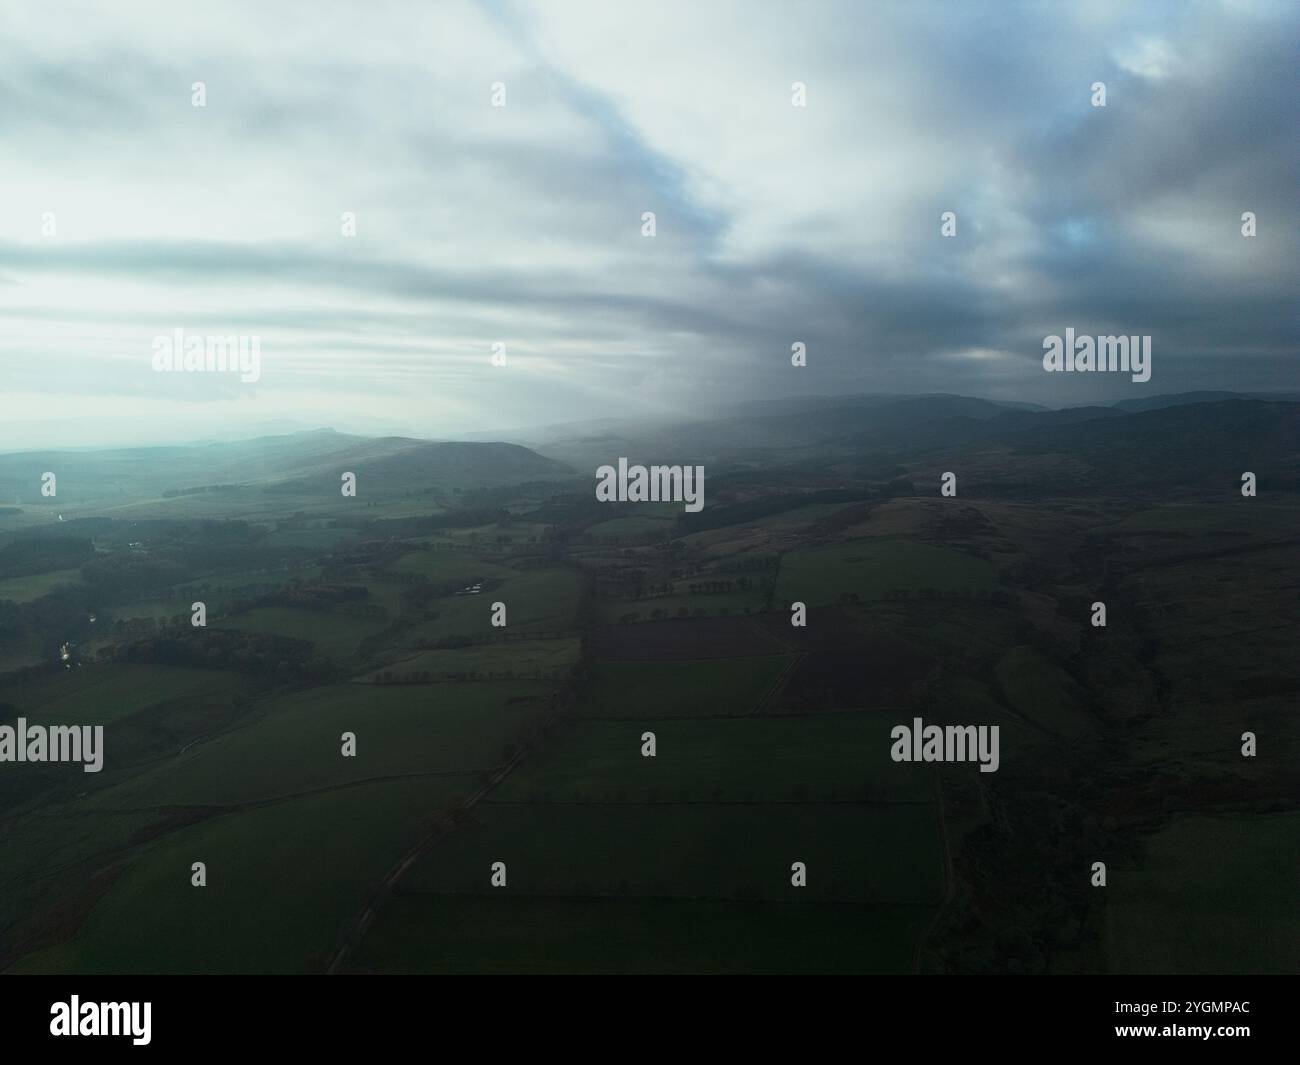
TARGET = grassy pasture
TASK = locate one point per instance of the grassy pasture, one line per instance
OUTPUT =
(233, 583)
(515, 534)
(153, 608)
(439, 566)
(103, 693)
(536, 601)
(525, 659)
(318, 536)
(876, 853)
(1253, 516)
(714, 604)
(58, 844)
(27, 588)
(687, 639)
(513, 934)
(283, 881)
(822, 757)
(687, 688)
(759, 533)
(631, 528)
(294, 744)
(869, 568)
(1213, 895)
(147, 712)
(1043, 692)
(334, 633)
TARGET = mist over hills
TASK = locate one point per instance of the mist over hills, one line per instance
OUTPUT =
(1179, 399)
(1180, 438)
(307, 463)
(810, 428)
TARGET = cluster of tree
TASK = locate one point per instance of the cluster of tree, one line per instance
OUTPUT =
(422, 525)
(26, 556)
(508, 494)
(757, 564)
(177, 553)
(445, 643)
(717, 586)
(74, 527)
(318, 596)
(172, 493)
(999, 596)
(629, 589)
(364, 554)
(422, 591)
(570, 513)
(649, 537)
(645, 590)
(424, 676)
(719, 517)
(143, 625)
(59, 615)
(260, 654)
(1027, 898)
(247, 593)
(120, 576)
(533, 561)
(659, 614)
(365, 610)
(506, 635)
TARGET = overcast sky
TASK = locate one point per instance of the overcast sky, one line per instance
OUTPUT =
(522, 224)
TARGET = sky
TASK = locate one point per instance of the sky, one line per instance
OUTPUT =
(127, 212)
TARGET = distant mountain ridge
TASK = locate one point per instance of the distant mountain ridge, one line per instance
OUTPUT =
(793, 430)
(1178, 399)
(307, 462)
(804, 427)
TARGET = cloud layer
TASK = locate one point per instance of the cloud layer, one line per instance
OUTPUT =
(521, 224)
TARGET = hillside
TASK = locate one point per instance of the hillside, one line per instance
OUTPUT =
(240, 472)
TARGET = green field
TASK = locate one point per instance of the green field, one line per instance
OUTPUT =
(1254, 516)
(516, 533)
(797, 517)
(513, 934)
(227, 585)
(334, 633)
(536, 601)
(317, 536)
(28, 588)
(635, 528)
(765, 536)
(439, 566)
(714, 604)
(870, 568)
(147, 712)
(853, 852)
(59, 845)
(283, 881)
(686, 688)
(505, 659)
(1213, 895)
(294, 744)
(818, 757)
(154, 608)
(1043, 692)
(107, 692)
